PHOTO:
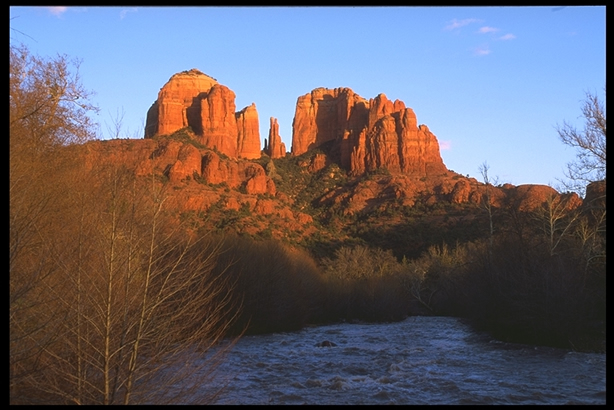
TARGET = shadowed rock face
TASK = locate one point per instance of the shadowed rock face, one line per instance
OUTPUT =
(365, 135)
(193, 99)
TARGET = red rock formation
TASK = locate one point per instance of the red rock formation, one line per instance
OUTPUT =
(248, 127)
(255, 179)
(322, 116)
(419, 149)
(193, 99)
(595, 194)
(367, 135)
(275, 148)
(216, 170)
(460, 192)
(189, 162)
(175, 104)
(318, 162)
(180, 162)
(529, 197)
(218, 122)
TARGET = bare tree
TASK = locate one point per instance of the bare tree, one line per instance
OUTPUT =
(487, 202)
(556, 220)
(138, 312)
(590, 144)
(110, 300)
(589, 169)
(48, 108)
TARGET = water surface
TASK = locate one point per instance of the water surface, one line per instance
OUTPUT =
(421, 360)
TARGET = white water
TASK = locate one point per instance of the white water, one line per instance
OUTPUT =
(421, 360)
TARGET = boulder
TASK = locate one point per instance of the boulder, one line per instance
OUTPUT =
(189, 162)
(595, 194)
(326, 343)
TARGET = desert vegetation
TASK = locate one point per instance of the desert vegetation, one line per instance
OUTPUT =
(114, 295)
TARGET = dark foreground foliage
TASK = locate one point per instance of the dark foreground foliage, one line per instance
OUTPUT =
(523, 284)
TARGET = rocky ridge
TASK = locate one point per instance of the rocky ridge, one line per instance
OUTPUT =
(350, 157)
(365, 135)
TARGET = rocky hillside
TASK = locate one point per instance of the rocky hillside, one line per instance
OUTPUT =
(358, 169)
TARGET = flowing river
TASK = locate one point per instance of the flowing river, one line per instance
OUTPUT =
(421, 360)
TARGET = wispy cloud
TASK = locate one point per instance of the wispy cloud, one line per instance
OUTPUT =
(486, 29)
(124, 12)
(481, 51)
(57, 10)
(445, 145)
(455, 24)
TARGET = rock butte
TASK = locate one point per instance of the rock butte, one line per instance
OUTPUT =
(361, 135)
(193, 99)
(365, 135)
(357, 134)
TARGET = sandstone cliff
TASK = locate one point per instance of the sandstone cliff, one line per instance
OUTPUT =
(365, 135)
(248, 143)
(193, 99)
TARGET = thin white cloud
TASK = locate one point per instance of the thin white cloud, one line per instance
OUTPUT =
(486, 29)
(57, 10)
(481, 51)
(454, 24)
(445, 145)
(124, 12)
(508, 36)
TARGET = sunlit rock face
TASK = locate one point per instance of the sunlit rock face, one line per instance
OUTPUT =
(365, 135)
(248, 141)
(193, 99)
(275, 148)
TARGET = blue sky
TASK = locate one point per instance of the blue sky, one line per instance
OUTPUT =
(490, 82)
